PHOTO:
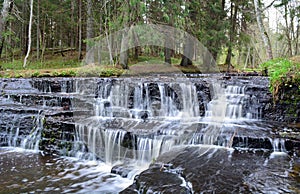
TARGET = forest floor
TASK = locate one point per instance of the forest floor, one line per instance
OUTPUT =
(68, 65)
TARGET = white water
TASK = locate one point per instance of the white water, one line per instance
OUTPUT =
(30, 141)
(171, 113)
(133, 99)
(228, 104)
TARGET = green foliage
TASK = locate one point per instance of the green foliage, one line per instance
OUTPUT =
(99, 71)
(54, 63)
(35, 74)
(281, 70)
(64, 73)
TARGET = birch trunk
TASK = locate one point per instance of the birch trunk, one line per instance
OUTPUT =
(29, 34)
(263, 32)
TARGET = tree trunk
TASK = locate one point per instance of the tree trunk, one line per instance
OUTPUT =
(38, 30)
(167, 50)
(124, 50)
(79, 30)
(136, 45)
(233, 16)
(43, 39)
(263, 32)
(29, 34)
(297, 37)
(6, 10)
(288, 31)
(89, 33)
(188, 52)
(72, 45)
(89, 25)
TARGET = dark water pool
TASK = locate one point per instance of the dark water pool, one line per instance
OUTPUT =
(28, 172)
(23, 171)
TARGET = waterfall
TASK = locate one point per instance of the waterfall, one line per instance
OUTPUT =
(32, 140)
(189, 100)
(105, 144)
(148, 149)
(127, 98)
(136, 104)
(167, 104)
(230, 103)
(125, 124)
(108, 141)
(278, 145)
(28, 141)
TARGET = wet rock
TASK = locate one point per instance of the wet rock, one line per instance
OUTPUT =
(286, 104)
(217, 170)
(157, 180)
(122, 170)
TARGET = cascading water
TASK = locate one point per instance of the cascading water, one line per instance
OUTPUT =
(226, 114)
(30, 141)
(125, 124)
(229, 103)
(124, 107)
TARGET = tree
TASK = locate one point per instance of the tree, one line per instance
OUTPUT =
(38, 30)
(263, 32)
(232, 32)
(188, 47)
(206, 21)
(29, 34)
(6, 10)
(291, 27)
(89, 31)
(79, 30)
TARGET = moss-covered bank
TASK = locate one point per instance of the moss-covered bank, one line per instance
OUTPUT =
(285, 85)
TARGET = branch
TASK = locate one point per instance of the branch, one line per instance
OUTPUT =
(271, 4)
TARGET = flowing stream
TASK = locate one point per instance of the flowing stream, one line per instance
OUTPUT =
(95, 135)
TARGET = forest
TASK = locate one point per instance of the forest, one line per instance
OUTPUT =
(150, 96)
(240, 35)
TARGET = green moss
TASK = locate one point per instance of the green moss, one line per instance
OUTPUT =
(99, 71)
(35, 74)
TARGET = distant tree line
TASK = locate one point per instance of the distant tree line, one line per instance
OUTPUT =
(234, 31)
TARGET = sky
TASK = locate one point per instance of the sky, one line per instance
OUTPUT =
(275, 17)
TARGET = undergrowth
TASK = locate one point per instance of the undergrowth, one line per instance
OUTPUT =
(281, 71)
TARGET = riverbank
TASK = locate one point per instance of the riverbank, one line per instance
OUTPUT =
(284, 77)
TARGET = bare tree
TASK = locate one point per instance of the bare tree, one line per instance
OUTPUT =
(263, 32)
(29, 34)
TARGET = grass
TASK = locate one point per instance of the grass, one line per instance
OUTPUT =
(49, 62)
(69, 66)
